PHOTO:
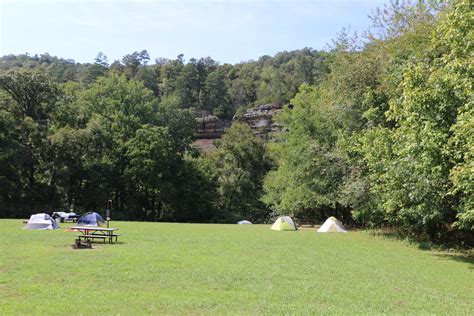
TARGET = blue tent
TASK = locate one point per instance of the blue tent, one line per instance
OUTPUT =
(90, 219)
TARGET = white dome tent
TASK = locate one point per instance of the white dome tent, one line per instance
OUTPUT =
(332, 225)
(244, 222)
(41, 221)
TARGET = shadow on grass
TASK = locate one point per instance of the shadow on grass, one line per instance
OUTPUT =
(451, 251)
(460, 258)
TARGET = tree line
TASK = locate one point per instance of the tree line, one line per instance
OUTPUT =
(386, 139)
(114, 139)
(198, 84)
(378, 131)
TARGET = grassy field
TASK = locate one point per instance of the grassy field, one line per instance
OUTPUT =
(226, 269)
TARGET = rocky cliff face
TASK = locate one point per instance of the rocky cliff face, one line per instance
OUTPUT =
(260, 118)
(211, 127)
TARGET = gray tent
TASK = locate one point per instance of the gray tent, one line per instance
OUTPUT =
(41, 221)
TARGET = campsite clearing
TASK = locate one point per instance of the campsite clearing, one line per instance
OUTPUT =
(227, 269)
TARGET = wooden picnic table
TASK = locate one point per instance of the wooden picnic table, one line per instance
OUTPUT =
(92, 232)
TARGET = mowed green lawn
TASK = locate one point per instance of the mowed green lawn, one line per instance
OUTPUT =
(161, 268)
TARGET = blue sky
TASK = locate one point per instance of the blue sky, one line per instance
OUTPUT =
(227, 31)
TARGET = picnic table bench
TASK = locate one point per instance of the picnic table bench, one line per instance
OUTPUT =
(97, 236)
(92, 233)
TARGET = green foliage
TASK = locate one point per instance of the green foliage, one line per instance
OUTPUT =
(435, 88)
(33, 94)
(456, 37)
(462, 174)
(388, 131)
(111, 140)
(413, 164)
(241, 163)
(151, 156)
(216, 96)
(309, 170)
(28, 102)
(199, 84)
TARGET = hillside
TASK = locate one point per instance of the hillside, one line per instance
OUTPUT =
(200, 84)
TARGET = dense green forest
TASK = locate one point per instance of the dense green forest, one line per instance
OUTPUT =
(89, 132)
(198, 84)
(379, 131)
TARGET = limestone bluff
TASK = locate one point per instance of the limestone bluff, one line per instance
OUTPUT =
(260, 119)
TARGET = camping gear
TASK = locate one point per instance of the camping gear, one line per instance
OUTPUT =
(332, 225)
(90, 219)
(244, 222)
(107, 213)
(284, 223)
(59, 215)
(78, 244)
(41, 221)
(63, 216)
